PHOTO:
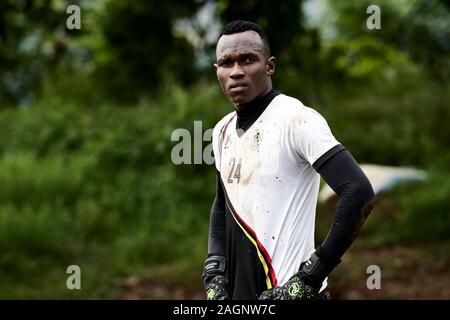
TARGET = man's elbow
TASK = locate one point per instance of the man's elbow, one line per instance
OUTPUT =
(367, 190)
(366, 195)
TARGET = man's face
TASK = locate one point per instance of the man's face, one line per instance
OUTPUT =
(243, 68)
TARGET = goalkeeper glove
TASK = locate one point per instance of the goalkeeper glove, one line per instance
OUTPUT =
(216, 284)
(304, 284)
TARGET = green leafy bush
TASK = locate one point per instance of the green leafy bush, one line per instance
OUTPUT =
(413, 213)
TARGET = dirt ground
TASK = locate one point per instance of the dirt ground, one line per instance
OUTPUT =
(406, 273)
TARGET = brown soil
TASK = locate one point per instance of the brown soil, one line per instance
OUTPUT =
(406, 273)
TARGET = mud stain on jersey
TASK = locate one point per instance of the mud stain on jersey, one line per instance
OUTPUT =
(253, 168)
(247, 180)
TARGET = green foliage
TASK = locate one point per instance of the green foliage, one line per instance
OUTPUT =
(128, 47)
(142, 47)
(425, 213)
(33, 41)
(413, 213)
(417, 28)
(87, 179)
(396, 128)
(96, 187)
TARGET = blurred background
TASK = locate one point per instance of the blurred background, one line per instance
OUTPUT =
(86, 117)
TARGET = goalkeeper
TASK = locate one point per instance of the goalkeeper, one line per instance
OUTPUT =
(270, 153)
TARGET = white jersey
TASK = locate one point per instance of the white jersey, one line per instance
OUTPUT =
(270, 185)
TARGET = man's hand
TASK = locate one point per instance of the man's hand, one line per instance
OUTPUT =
(216, 284)
(294, 289)
(217, 288)
(303, 285)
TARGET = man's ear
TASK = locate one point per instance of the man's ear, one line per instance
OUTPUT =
(270, 66)
(215, 66)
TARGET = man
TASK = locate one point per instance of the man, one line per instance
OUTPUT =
(269, 155)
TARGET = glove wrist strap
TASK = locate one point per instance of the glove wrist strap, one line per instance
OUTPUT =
(214, 265)
(315, 270)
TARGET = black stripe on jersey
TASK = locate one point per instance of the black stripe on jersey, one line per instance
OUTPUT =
(327, 156)
(246, 275)
(264, 257)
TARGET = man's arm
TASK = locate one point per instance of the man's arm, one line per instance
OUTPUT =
(216, 239)
(356, 197)
(214, 279)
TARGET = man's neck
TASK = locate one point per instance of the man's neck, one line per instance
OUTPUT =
(246, 117)
(244, 108)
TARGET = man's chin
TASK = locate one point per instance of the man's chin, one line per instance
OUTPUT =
(237, 100)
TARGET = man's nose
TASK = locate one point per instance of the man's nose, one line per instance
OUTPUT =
(236, 71)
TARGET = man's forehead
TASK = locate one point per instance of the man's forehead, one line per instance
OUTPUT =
(238, 43)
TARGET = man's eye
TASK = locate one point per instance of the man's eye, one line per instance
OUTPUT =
(224, 64)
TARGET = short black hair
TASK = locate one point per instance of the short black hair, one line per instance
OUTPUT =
(238, 26)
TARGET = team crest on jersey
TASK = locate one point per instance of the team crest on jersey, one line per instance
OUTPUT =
(257, 138)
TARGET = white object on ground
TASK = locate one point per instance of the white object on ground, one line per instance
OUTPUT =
(382, 178)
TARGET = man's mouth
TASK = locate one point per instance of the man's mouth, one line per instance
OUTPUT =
(239, 84)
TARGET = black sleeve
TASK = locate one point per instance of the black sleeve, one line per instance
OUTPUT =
(216, 240)
(356, 199)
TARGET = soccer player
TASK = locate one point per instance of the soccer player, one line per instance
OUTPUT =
(270, 154)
